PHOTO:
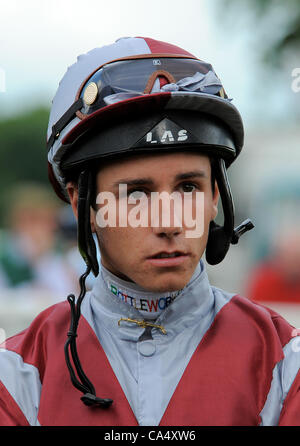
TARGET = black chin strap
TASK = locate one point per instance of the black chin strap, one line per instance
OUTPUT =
(85, 238)
(88, 251)
(220, 237)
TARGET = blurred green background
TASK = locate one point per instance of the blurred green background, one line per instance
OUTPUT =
(22, 152)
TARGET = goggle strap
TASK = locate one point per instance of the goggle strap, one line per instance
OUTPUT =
(63, 121)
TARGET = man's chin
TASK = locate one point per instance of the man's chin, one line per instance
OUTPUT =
(173, 282)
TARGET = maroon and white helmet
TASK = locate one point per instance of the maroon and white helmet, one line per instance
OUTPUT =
(135, 75)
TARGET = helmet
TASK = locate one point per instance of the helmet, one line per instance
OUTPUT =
(140, 95)
(108, 83)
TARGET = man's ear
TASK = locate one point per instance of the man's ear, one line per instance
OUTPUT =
(215, 202)
(72, 190)
(93, 219)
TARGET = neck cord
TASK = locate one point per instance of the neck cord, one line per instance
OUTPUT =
(83, 383)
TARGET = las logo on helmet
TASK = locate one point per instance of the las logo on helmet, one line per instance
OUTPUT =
(166, 132)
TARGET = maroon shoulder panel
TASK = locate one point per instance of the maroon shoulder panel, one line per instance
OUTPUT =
(228, 378)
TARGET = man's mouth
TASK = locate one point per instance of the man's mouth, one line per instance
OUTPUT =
(168, 259)
(165, 255)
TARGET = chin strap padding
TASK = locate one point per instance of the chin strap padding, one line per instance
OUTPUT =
(86, 243)
(220, 237)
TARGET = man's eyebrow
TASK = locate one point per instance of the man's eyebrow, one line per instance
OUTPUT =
(191, 174)
(149, 181)
(134, 181)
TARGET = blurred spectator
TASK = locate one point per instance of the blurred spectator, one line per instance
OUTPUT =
(29, 255)
(275, 243)
(277, 278)
(68, 236)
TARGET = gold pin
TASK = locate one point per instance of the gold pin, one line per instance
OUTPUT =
(90, 93)
(143, 324)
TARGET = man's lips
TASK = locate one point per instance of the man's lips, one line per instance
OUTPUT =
(164, 258)
(166, 254)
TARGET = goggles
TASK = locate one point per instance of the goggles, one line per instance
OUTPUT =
(123, 79)
(128, 78)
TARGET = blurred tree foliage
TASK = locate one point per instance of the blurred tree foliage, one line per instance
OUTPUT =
(23, 155)
(275, 23)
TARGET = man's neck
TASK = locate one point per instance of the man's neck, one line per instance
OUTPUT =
(150, 304)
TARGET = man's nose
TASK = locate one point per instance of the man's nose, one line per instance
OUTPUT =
(167, 222)
(169, 232)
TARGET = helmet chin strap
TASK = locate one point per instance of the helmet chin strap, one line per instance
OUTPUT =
(220, 237)
(85, 238)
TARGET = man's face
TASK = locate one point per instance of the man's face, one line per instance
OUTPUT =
(133, 253)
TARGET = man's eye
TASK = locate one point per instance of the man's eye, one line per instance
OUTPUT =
(188, 187)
